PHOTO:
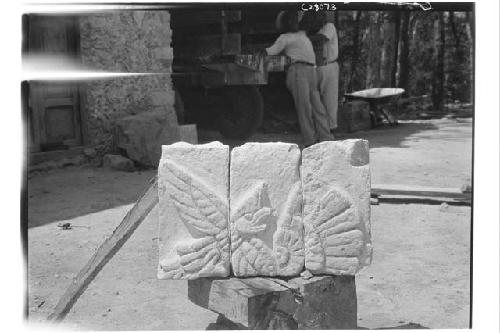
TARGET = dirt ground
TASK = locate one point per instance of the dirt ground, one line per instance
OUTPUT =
(419, 274)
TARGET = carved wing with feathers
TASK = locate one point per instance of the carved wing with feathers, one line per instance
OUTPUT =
(334, 239)
(205, 215)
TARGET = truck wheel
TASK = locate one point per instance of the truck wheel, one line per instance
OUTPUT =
(241, 112)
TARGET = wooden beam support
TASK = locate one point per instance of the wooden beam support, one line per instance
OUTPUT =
(193, 18)
(321, 302)
(106, 251)
(206, 46)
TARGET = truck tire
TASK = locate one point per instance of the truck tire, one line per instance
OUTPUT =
(241, 112)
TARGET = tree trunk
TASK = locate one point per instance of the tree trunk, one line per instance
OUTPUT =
(438, 79)
(373, 51)
(456, 36)
(394, 70)
(387, 53)
(355, 53)
(404, 53)
(469, 28)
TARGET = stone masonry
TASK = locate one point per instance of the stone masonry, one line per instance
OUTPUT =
(125, 42)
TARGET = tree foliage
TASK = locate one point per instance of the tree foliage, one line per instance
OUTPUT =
(426, 53)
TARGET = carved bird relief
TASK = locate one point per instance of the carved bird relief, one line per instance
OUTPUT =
(334, 240)
(204, 213)
(251, 215)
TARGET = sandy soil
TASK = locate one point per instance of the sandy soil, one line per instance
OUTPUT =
(419, 274)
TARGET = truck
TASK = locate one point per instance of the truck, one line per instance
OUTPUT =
(219, 78)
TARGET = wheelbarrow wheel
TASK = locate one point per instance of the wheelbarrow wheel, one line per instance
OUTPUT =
(241, 112)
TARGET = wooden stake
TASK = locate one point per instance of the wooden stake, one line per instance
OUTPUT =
(107, 250)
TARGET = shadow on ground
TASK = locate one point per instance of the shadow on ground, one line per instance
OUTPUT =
(66, 193)
(392, 136)
(223, 324)
(70, 192)
(383, 136)
(409, 326)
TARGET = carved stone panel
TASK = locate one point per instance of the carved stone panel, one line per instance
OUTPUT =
(193, 211)
(266, 210)
(336, 190)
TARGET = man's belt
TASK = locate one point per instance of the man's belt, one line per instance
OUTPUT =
(303, 63)
(327, 63)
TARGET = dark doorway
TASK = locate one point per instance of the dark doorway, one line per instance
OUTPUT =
(53, 106)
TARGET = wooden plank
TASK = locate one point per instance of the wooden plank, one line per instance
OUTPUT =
(207, 46)
(107, 250)
(422, 200)
(321, 302)
(183, 19)
(232, 74)
(277, 63)
(422, 191)
(61, 101)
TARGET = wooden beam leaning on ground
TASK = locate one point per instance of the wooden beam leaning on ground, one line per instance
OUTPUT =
(407, 193)
(107, 250)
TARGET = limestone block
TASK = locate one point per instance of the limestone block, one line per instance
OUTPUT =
(265, 213)
(142, 135)
(138, 16)
(188, 133)
(193, 211)
(161, 98)
(336, 192)
(118, 162)
(355, 116)
(163, 53)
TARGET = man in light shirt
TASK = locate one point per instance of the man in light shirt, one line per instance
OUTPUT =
(325, 41)
(302, 80)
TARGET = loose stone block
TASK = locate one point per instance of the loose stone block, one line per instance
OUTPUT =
(266, 210)
(336, 191)
(193, 211)
(160, 98)
(355, 116)
(142, 135)
(188, 133)
(118, 162)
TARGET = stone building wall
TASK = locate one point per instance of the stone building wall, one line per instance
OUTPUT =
(125, 42)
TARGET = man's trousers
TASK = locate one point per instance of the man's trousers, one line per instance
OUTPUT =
(328, 77)
(302, 82)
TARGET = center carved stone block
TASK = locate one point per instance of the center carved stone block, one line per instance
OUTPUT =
(269, 210)
(266, 210)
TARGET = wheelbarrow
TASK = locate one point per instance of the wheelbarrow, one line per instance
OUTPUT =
(377, 97)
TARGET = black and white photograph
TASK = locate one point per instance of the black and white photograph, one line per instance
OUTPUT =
(250, 165)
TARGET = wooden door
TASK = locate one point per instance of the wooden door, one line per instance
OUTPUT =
(54, 114)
